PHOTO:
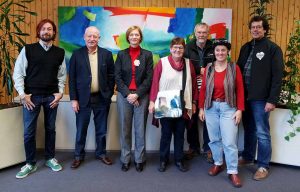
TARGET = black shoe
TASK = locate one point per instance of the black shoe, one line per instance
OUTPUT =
(125, 166)
(139, 166)
(181, 167)
(162, 167)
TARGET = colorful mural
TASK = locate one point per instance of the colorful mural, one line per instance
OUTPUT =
(159, 26)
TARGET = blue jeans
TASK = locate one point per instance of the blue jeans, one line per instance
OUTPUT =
(130, 115)
(222, 132)
(177, 127)
(257, 133)
(30, 123)
(100, 111)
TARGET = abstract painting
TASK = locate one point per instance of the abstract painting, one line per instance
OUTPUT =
(159, 26)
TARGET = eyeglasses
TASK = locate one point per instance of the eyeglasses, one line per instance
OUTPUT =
(177, 47)
(257, 27)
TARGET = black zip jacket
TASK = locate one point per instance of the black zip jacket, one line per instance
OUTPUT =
(191, 53)
(266, 70)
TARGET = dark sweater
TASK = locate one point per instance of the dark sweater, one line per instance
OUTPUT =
(42, 70)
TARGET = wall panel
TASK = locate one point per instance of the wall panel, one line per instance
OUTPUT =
(285, 13)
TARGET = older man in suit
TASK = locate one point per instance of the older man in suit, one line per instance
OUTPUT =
(91, 82)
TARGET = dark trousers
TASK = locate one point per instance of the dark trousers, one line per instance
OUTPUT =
(30, 123)
(193, 135)
(100, 110)
(169, 126)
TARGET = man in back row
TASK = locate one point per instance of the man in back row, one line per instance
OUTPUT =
(200, 52)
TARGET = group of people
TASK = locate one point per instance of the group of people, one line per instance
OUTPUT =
(212, 88)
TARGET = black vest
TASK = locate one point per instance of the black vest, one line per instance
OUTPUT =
(42, 70)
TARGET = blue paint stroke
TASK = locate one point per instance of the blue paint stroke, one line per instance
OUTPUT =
(183, 23)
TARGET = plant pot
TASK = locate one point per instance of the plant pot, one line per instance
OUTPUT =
(283, 151)
(11, 136)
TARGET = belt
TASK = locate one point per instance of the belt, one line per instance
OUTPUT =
(219, 100)
(132, 90)
(95, 94)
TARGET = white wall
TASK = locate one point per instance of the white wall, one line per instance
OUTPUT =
(283, 151)
(66, 130)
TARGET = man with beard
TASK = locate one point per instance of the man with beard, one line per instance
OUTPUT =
(200, 52)
(39, 76)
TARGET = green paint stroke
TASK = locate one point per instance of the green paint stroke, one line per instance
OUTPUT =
(89, 15)
(65, 14)
(122, 42)
(68, 47)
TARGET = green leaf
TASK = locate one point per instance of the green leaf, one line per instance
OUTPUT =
(17, 27)
(21, 40)
(20, 34)
(7, 23)
(20, 5)
(4, 78)
(3, 3)
(31, 13)
(292, 134)
(287, 138)
(27, 1)
(298, 129)
(9, 84)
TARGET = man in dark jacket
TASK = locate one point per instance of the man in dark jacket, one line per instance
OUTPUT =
(200, 52)
(261, 62)
(91, 82)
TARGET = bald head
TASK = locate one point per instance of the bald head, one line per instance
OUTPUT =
(91, 37)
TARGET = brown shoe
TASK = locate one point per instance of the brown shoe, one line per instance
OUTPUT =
(235, 180)
(105, 160)
(190, 154)
(76, 163)
(208, 157)
(244, 162)
(260, 174)
(215, 170)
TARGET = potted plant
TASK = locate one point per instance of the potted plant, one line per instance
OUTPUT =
(284, 117)
(291, 82)
(12, 14)
(11, 37)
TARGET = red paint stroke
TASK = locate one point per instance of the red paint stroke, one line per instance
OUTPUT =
(122, 11)
(219, 29)
(116, 38)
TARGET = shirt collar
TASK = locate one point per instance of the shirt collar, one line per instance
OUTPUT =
(93, 52)
(46, 47)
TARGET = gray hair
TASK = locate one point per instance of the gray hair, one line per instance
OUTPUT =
(200, 25)
(92, 28)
